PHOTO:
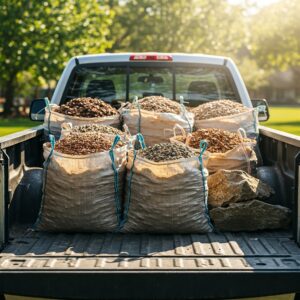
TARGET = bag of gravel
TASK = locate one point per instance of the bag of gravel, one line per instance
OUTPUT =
(79, 111)
(227, 115)
(155, 117)
(226, 150)
(166, 191)
(82, 193)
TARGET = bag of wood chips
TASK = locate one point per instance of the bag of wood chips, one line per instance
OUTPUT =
(226, 150)
(79, 111)
(227, 115)
(82, 193)
(166, 191)
(154, 117)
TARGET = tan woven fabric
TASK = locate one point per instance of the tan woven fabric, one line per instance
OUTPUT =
(55, 120)
(166, 197)
(246, 120)
(155, 127)
(79, 192)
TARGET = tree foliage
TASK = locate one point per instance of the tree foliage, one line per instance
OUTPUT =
(207, 26)
(41, 36)
(275, 35)
(38, 37)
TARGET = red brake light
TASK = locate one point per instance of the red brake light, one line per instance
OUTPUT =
(157, 57)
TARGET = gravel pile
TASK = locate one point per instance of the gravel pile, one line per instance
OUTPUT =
(166, 152)
(158, 104)
(96, 128)
(218, 140)
(87, 108)
(82, 144)
(218, 108)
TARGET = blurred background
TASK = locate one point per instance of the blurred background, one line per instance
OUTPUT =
(37, 38)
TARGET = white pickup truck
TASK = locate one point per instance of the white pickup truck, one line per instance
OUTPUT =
(145, 266)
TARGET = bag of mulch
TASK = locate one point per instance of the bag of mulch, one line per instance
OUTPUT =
(226, 150)
(80, 111)
(227, 115)
(82, 193)
(154, 117)
(166, 196)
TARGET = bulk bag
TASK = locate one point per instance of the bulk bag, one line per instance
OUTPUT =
(54, 119)
(82, 193)
(156, 127)
(240, 156)
(227, 115)
(166, 197)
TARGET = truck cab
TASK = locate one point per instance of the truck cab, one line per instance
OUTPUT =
(141, 266)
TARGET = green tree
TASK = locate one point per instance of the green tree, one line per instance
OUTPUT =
(41, 35)
(207, 26)
(276, 35)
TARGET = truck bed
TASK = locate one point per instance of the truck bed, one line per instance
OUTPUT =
(224, 255)
(213, 251)
(143, 266)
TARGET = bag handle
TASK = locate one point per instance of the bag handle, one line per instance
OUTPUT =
(203, 147)
(184, 112)
(242, 134)
(116, 178)
(47, 103)
(177, 126)
(136, 103)
(141, 140)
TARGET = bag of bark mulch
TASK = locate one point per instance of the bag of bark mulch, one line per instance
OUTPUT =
(80, 111)
(227, 115)
(82, 193)
(166, 191)
(154, 117)
(226, 150)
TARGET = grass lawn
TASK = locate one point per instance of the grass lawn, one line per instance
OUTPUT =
(285, 119)
(282, 118)
(8, 126)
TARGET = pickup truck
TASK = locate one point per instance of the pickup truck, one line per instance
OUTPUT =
(144, 266)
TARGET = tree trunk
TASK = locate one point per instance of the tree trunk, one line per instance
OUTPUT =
(9, 93)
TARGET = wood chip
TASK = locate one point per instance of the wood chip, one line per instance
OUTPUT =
(87, 108)
(157, 104)
(218, 140)
(85, 143)
(218, 108)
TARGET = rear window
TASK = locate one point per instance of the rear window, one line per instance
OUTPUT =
(202, 84)
(104, 82)
(146, 81)
(196, 83)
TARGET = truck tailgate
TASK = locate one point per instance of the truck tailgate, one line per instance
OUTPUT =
(156, 266)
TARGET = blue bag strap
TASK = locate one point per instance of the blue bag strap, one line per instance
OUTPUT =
(116, 179)
(203, 147)
(52, 144)
(141, 140)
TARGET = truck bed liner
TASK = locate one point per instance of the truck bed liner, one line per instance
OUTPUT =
(214, 251)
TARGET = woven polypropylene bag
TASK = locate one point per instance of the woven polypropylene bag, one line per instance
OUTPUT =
(247, 120)
(166, 197)
(82, 193)
(53, 121)
(242, 157)
(156, 127)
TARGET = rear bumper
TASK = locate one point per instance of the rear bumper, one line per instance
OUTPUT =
(148, 285)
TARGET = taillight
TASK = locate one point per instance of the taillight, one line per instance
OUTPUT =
(157, 57)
